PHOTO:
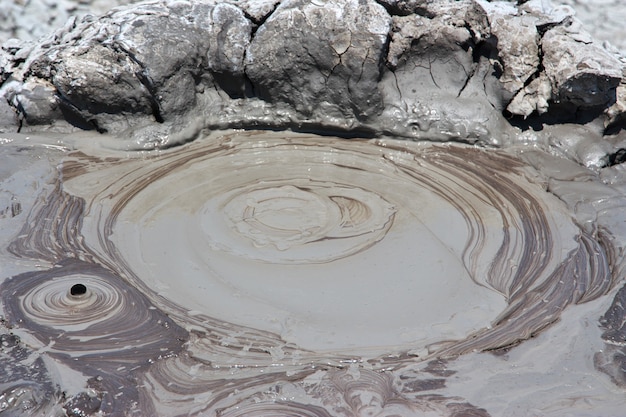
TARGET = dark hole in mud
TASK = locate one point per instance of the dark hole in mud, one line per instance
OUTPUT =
(78, 289)
(561, 113)
(617, 157)
(73, 116)
(615, 127)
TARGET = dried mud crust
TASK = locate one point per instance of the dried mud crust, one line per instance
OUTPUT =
(471, 71)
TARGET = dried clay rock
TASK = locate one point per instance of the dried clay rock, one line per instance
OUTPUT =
(580, 72)
(577, 72)
(148, 59)
(438, 85)
(331, 60)
(518, 37)
(418, 69)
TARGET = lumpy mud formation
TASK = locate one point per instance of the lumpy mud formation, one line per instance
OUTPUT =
(313, 208)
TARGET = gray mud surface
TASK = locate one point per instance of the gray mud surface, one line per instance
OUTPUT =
(312, 208)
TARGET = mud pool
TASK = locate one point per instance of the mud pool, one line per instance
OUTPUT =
(299, 268)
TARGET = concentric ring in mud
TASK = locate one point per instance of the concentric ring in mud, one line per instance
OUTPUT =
(334, 246)
(303, 222)
(81, 309)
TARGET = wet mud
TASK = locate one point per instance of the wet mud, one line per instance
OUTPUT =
(429, 222)
(329, 269)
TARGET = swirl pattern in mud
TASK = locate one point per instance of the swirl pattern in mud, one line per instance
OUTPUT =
(310, 223)
(87, 318)
(83, 308)
(301, 236)
(264, 249)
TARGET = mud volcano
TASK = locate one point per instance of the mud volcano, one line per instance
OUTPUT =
(300, 208)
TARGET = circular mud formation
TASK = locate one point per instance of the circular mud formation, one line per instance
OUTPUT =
(325, 257)
(314, 251)
(401, 208)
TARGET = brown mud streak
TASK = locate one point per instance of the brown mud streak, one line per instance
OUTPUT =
(143, 333)
(111, 334)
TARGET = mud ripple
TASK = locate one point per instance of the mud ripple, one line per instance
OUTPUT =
(82, 309)
(90, 320)
(245, 214)
(254, 273)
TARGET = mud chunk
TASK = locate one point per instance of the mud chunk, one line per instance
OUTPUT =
(517, 40)
(147, 59)
(581, 72)
(440, 80)
(330, 62)
(612, 359)
(100, 80)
